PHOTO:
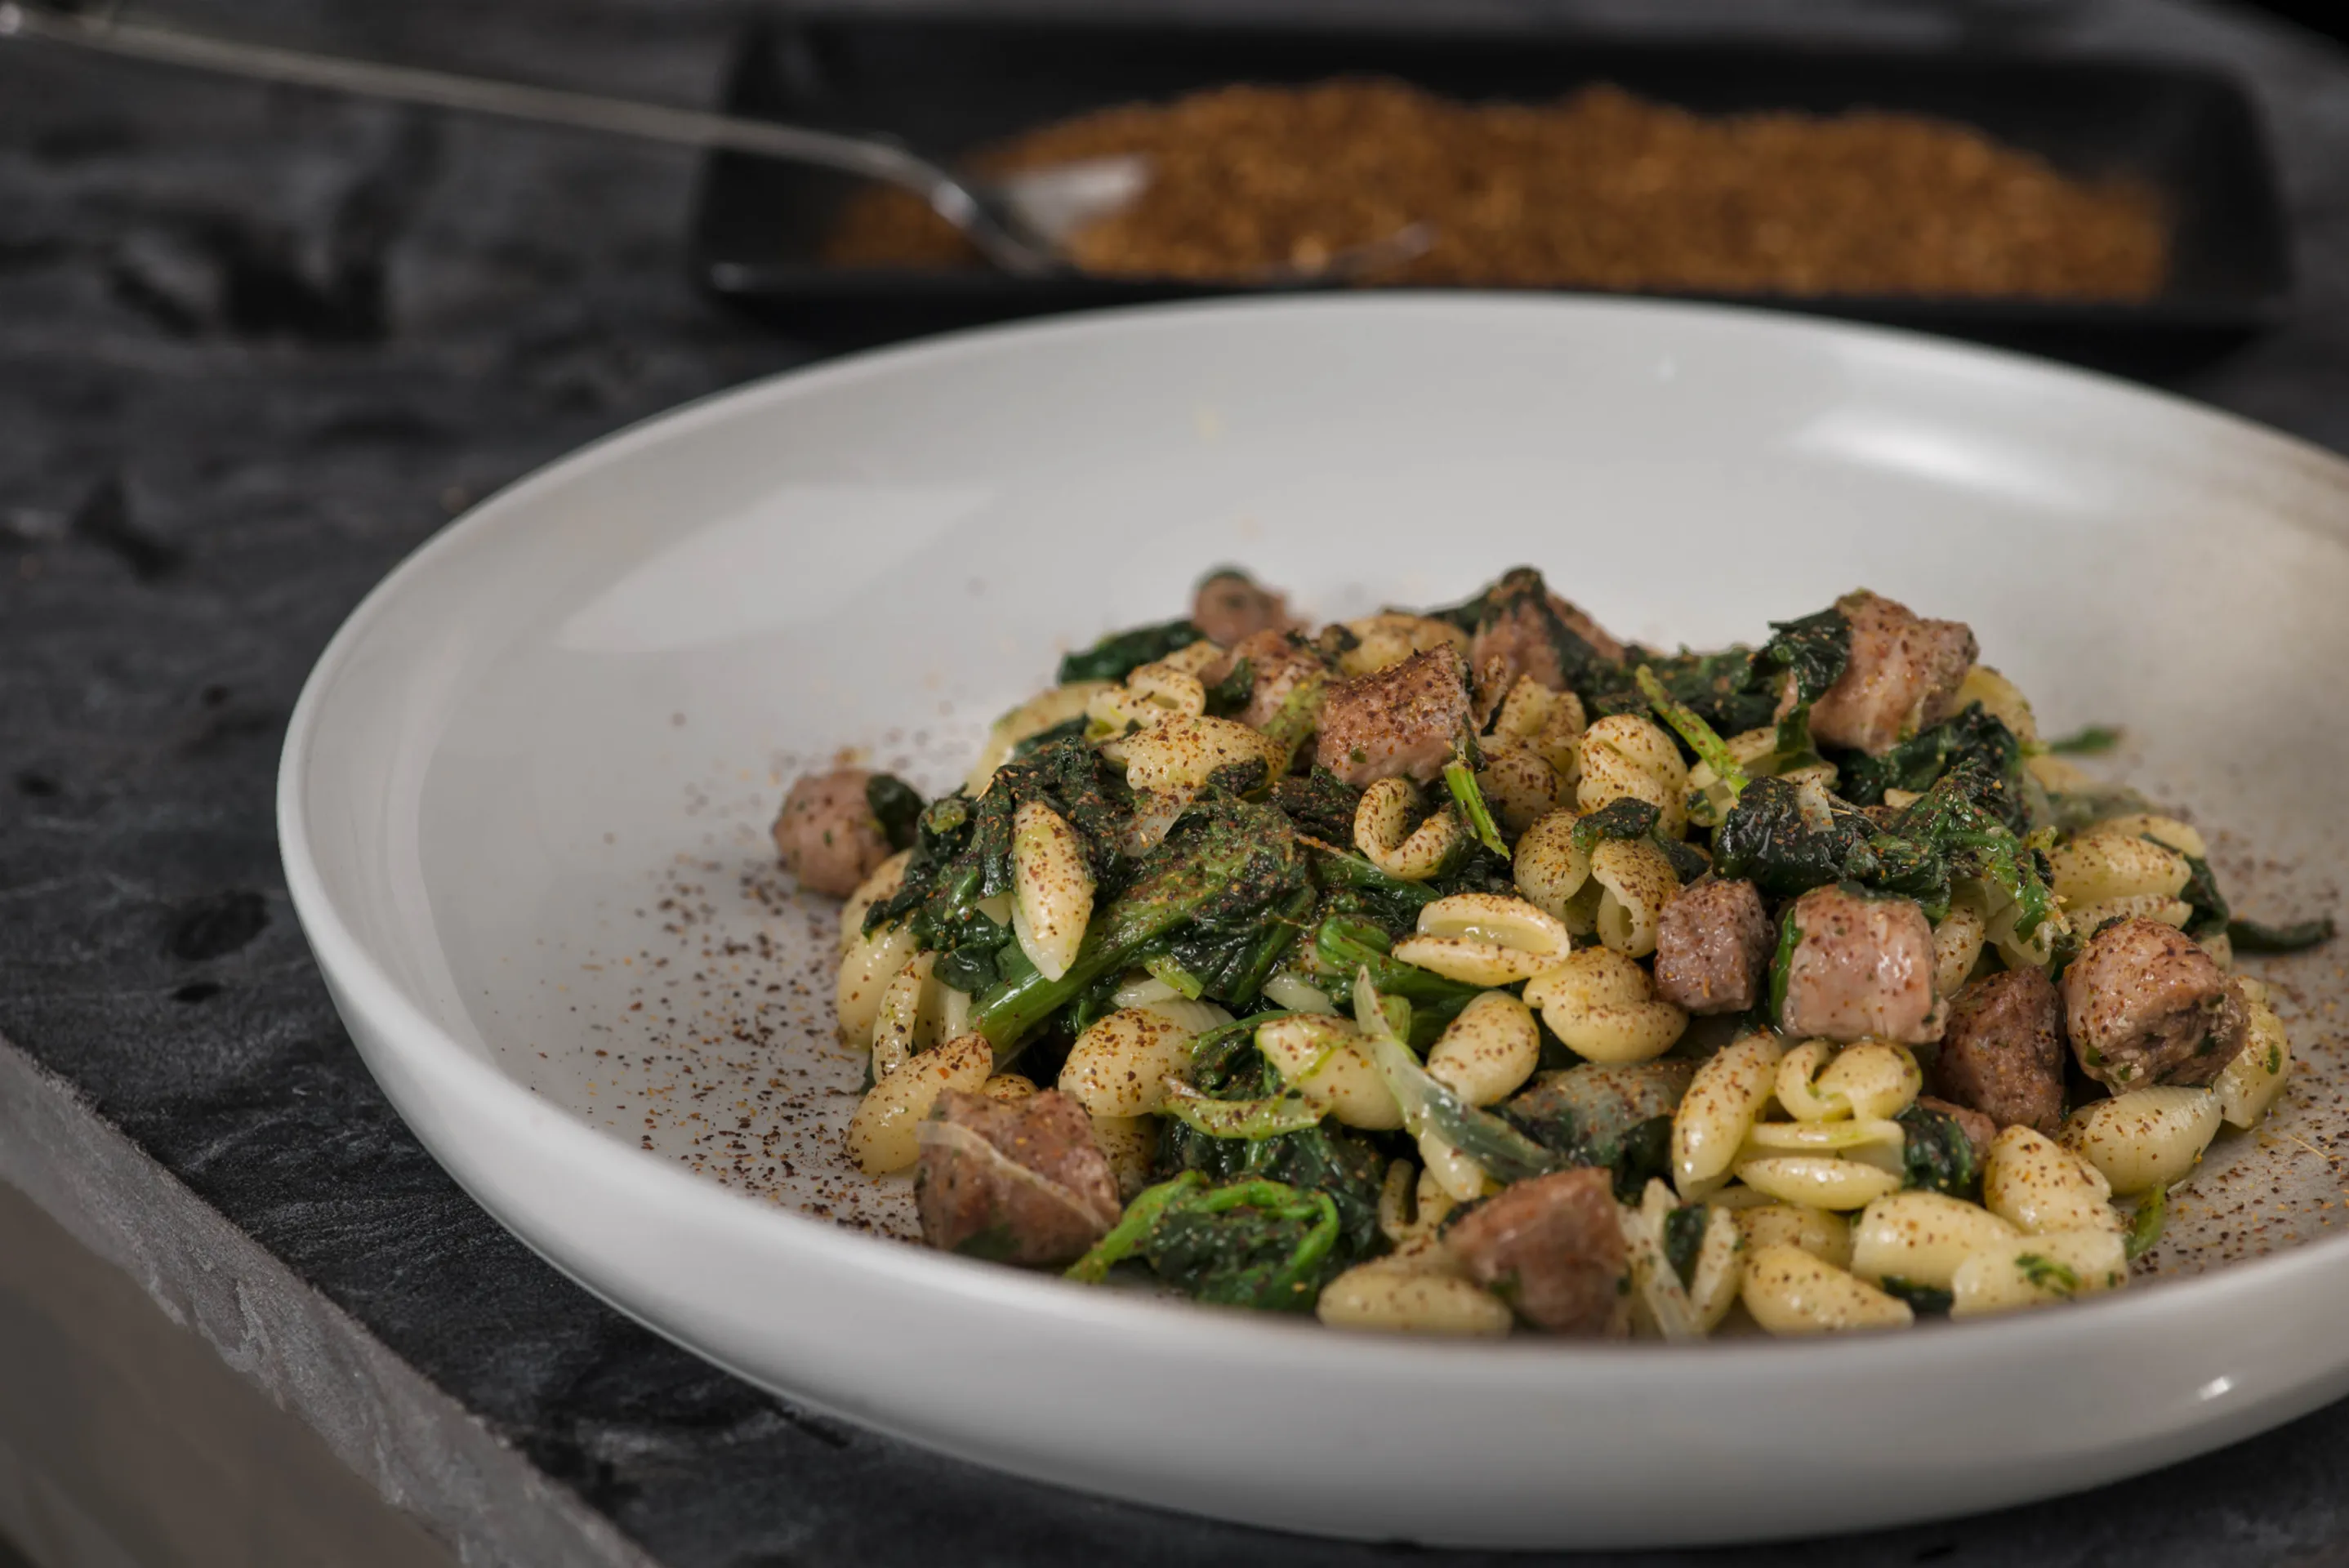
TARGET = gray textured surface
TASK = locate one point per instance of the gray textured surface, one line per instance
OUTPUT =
(254, 346)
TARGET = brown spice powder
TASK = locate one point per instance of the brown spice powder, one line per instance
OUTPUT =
(1601, 190)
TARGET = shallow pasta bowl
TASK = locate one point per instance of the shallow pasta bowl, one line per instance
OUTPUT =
(525, 795)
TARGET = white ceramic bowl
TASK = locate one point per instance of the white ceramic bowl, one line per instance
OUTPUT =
(524, 793)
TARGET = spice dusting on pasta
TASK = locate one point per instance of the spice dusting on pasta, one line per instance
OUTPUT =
(1476, 971)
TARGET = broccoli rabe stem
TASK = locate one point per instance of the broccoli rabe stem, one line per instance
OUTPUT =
(1710, 748)
(1460, 780)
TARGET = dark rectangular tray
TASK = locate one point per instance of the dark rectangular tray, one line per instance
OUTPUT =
(944, 83)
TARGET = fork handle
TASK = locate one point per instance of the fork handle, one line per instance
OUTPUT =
(867, 156)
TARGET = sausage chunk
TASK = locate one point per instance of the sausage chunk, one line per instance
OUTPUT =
(1404, 720)
(1904, 675)
(1016, 1182)
(1280, 667)
(1712, 947)
(1229, 606)
(1862, 969)
(827, 834)
(1527, 630)
(1980, 1129)
(2003, 1053)
(2145, 1005)
(1552, 1250)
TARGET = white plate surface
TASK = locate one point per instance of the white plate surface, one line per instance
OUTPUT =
(524, 796)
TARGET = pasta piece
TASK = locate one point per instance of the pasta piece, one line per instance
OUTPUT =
(1661, 1301)
(1550, 722)
(1788, 1291)
(1826, 1237)
(1639, 882)
(1384, 833)
(1291, 990)
(1140, 989)
(1460, 1179)
(2038, 1270)
(1120, 1065)
(2099, 866)
(1030, 719)
(2179, 836)
(1850, 1137)
(1488, 1052)
(883, 1135)
(1626, 755)
(1051, 889)
(1605, 1007)
(1552, 874)
(1008, 1087)
(2173, 912)
(1818, 1182)
(1184, 751)
(1720, 1268)
(1130, 1144)
(1723, 1101)
(1153, 694)
(1921, 1238)
(2036, 1185)
(1322, 1058)
(2145, 1138)
(2000, 698)
(1797, 1088)
(1959, 939)
(865, 971)
(1376, 1295)
(911, 1015)
(1384, 640)
(887, 879)
(1486, 939)
(1517, 783)
(1399, 1218)
(1875, 1078)
(2250, 1084)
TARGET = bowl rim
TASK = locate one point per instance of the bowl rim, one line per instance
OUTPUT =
(406, 1026)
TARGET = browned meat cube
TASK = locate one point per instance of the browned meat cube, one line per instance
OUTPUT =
(1903, 676)
(1862, 969)
(1712, 947)
(827, 834)
(2003, 1052)
(1979, 1128)
(1406, 720)
(1519, 632)
(1551, 1248)
(1229, 606)
(2146, 1005)
(1018, 1181)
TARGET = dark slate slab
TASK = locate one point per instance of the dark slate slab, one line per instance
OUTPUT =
(255, 345)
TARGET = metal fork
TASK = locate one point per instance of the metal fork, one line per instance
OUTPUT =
(1020, 222)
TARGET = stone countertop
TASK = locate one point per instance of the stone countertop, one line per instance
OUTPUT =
(254, 347)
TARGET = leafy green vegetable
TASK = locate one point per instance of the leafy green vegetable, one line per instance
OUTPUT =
(1644, 1156)
(1594, 1113)
(1251, 1118)
(2069, 810)
(1975, 738)
(1815, 651)
(1621, 818)
(1120, 654)
(1227, 881)
(2144, 1226)
(1067, 729)
(1710, 748)
(1256, 1243)
(1724, 691)
(1345, 946)
(1684, 1238)
(1460, 780)
(1231, 693)
(1320, 804)
(1936, 1155)
(2087, 742)
(2047, 1273)
(1781, 963)
(2210, 916)
(1126, 1235)
(897, 806)
(1521, 600)
(2251, 936)
(1919, 1297)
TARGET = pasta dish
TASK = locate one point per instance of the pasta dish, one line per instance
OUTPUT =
(1474, 971)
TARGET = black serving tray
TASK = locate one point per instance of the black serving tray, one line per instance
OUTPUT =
(944, 83)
